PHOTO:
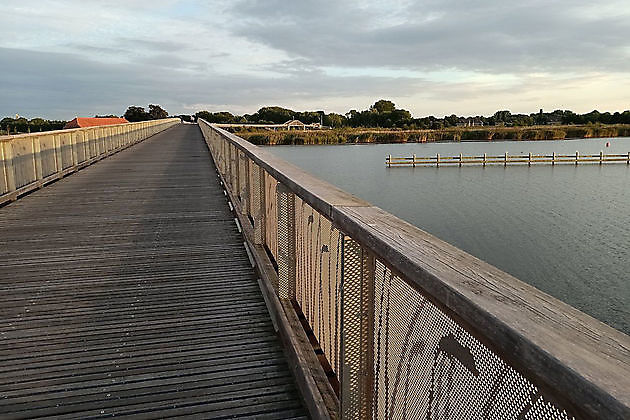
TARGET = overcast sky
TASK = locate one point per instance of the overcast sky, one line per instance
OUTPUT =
(60, 59)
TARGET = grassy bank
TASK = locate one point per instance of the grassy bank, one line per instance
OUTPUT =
(363, 135)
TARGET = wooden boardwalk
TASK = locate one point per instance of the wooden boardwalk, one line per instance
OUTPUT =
(125, 290)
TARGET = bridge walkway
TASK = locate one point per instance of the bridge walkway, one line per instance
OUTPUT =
(125, 290)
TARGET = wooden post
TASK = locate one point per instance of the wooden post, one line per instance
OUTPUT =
(414, 160)
(58, 154)
(529, 163)
(484, 160)
(628, 158)
(437, 160)
(389, 161)
(460, 160)
(506, 159)
(577, 157)
(553, 159)
(73, 144)
(601, 157)
(7, 157)
(357, 331)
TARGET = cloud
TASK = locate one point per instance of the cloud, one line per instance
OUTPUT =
(67, 58)
(488, 36)
(65, 85)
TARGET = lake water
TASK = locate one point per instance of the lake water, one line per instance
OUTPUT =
(563, 229)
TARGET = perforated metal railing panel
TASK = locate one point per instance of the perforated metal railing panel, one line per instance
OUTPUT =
(318, 280)
(286, 243)
(257, 207)
(242, 177)
(394, 353)
(428, 366)
(271, 215)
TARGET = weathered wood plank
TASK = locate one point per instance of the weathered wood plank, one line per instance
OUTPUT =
(126, 289)
(582, 362)
(554, 344)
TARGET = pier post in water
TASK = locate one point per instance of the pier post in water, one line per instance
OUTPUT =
(529, 163)
(437, 160)
(461, 158)
(389, 161)
(506, 159)
(601, 157)
(414, 160)
(577, 157)
(484, 160)
(553, 159)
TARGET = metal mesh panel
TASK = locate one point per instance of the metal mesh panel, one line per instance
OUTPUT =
(257, 208)
(357, 338)
(428, 366)
(318, 280)
(229, 176)
(234, 164)
(286, 243)
(242, 177)
(271, 215)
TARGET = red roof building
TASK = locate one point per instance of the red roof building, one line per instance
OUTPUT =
(93, 122)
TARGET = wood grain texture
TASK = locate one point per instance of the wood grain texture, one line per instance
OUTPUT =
(582, 362)
(126, 290)
(572, 355)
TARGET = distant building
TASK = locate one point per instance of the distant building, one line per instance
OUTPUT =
(299, 125)
(469, 122)
(554, 120)
(294, 124)
(93, 122)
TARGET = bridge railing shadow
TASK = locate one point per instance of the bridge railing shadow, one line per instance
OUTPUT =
(405, 325)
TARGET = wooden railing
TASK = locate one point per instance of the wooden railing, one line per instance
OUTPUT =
(508, 159)
(407, 326)
(30, 161)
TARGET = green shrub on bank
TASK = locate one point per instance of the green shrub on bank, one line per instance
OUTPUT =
(355, 135)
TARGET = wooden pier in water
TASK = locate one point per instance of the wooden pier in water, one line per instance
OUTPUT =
(507, 159)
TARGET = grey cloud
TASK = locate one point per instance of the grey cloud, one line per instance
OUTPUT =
(151, 45)
(58, 85)
(490, 36)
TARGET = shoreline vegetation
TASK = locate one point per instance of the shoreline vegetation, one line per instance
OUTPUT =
(347, 135)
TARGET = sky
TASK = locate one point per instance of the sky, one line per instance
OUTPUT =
(61, 59)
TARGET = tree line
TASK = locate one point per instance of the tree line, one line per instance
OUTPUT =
(18, 124)
(385, 114)
(382, 114)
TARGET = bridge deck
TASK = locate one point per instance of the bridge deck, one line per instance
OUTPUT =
(125, 289)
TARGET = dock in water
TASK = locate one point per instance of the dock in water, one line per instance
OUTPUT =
(507, 159)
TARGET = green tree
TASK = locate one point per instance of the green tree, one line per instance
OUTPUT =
(383, 106)
(136, 113)
(156, 112)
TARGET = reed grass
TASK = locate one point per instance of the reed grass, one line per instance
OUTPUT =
(454, 134)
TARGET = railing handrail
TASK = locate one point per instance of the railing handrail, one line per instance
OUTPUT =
(576, 358)
(9, 137)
